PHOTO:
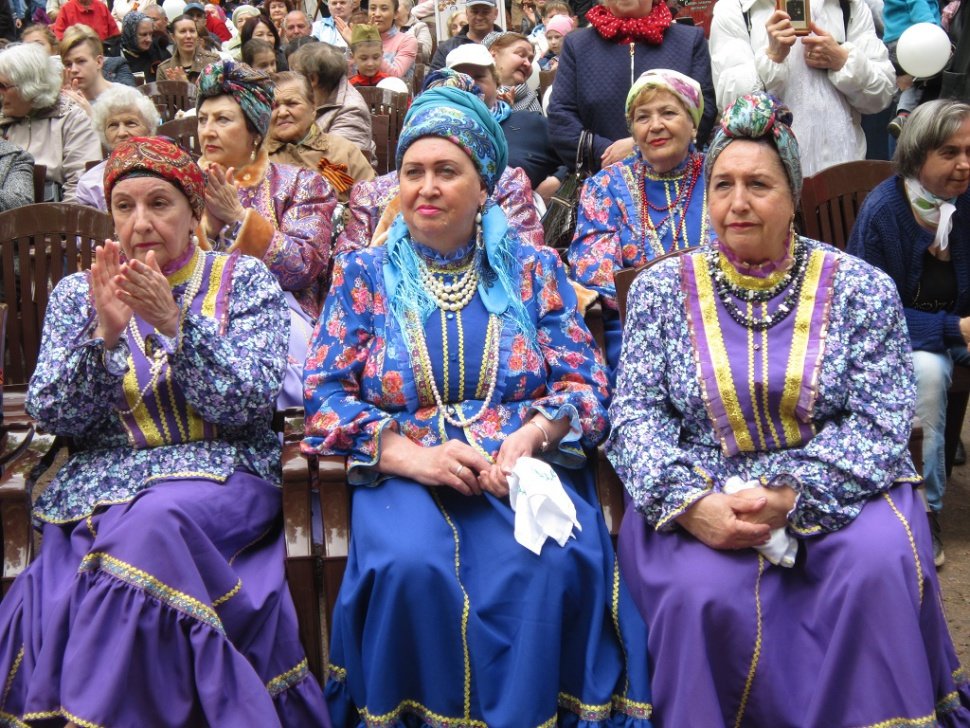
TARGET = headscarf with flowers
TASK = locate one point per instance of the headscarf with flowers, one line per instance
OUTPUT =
(683, 87)
(759, 116)
(251, 89)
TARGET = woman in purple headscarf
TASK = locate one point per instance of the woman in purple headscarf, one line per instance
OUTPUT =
(159, 597)
(775, 543)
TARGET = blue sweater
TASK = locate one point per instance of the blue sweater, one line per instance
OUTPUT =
(594, 78)
(887, 235)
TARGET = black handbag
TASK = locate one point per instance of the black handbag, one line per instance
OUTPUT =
(955, 83)
(559, 222)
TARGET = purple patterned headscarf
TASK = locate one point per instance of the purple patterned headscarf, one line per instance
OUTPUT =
(251, 89)
(759, 116)
(686, 89)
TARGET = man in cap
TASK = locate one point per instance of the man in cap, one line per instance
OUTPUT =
(481, 16)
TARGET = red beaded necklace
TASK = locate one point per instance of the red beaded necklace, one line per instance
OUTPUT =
(630, 30)
(688, 179)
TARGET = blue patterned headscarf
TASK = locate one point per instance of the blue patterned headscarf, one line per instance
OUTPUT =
(251, 89)
(455, 79)
(759, 116)
(462, 119)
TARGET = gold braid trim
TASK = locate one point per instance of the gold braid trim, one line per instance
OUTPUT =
(282, 683)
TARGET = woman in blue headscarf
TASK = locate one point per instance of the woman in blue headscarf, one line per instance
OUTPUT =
(441, 359)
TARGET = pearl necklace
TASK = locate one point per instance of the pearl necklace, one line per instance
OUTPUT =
(451, 296)
(159, 357)
(726, 291)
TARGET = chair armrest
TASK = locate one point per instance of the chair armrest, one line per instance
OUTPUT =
(15, 506)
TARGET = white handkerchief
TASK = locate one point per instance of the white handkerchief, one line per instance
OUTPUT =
(781, 548)
(543, 508)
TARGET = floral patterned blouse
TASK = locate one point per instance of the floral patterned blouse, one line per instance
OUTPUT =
(228, 370)
(610, 230)
(361, 377)
(513, 193)
(288, 224)
(665, 448)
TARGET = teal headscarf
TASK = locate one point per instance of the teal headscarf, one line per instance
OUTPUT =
(462, 119)
(759, 116)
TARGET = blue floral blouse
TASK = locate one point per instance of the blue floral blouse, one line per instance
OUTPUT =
(360, 376)
(663, 444)
(229, 373)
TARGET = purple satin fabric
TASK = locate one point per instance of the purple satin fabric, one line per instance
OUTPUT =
(109, 633)
(761, 402)
(846, 637)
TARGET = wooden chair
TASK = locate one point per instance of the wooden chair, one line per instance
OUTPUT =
(417, 79)
(546, 79)
(39, 245)
(15, 528)
(171, 97)
(185, 133)
(383, 102)
(381, 134)
(831, 199)
(40, 177)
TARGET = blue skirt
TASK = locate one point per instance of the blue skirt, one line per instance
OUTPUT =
(443, 619)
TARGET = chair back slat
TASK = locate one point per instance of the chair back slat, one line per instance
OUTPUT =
(185, 133)
(384, 102)
(170, 97)
(831, 199)
(39, 245)
(381, 133)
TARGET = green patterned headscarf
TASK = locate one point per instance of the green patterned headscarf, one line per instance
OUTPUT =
(251, 89)
(759, 116)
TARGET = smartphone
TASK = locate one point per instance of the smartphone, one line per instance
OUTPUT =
(800, 13)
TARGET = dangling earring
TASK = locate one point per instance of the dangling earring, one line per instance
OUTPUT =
(256, 143)
(479, 230)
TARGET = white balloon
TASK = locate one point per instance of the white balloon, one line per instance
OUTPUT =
(923, 50)
(394, 84)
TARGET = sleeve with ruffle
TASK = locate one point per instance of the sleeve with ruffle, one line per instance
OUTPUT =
(338, 420)
(76, 379)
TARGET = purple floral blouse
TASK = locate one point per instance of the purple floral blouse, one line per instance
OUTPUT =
(663, 444)
(229, 372)
(299, 204)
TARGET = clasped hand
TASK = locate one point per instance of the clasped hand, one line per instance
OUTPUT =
(120, 289)
(459, 466)
(222, 204)
(739, 521)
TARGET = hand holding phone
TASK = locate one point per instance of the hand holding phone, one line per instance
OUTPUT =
(799, 12)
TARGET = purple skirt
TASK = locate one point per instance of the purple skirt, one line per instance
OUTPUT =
(169, 610)
(853, 635)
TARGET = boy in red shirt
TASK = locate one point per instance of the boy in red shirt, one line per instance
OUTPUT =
(367, 52)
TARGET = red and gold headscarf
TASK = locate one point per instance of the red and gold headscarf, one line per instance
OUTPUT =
(154, 156)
